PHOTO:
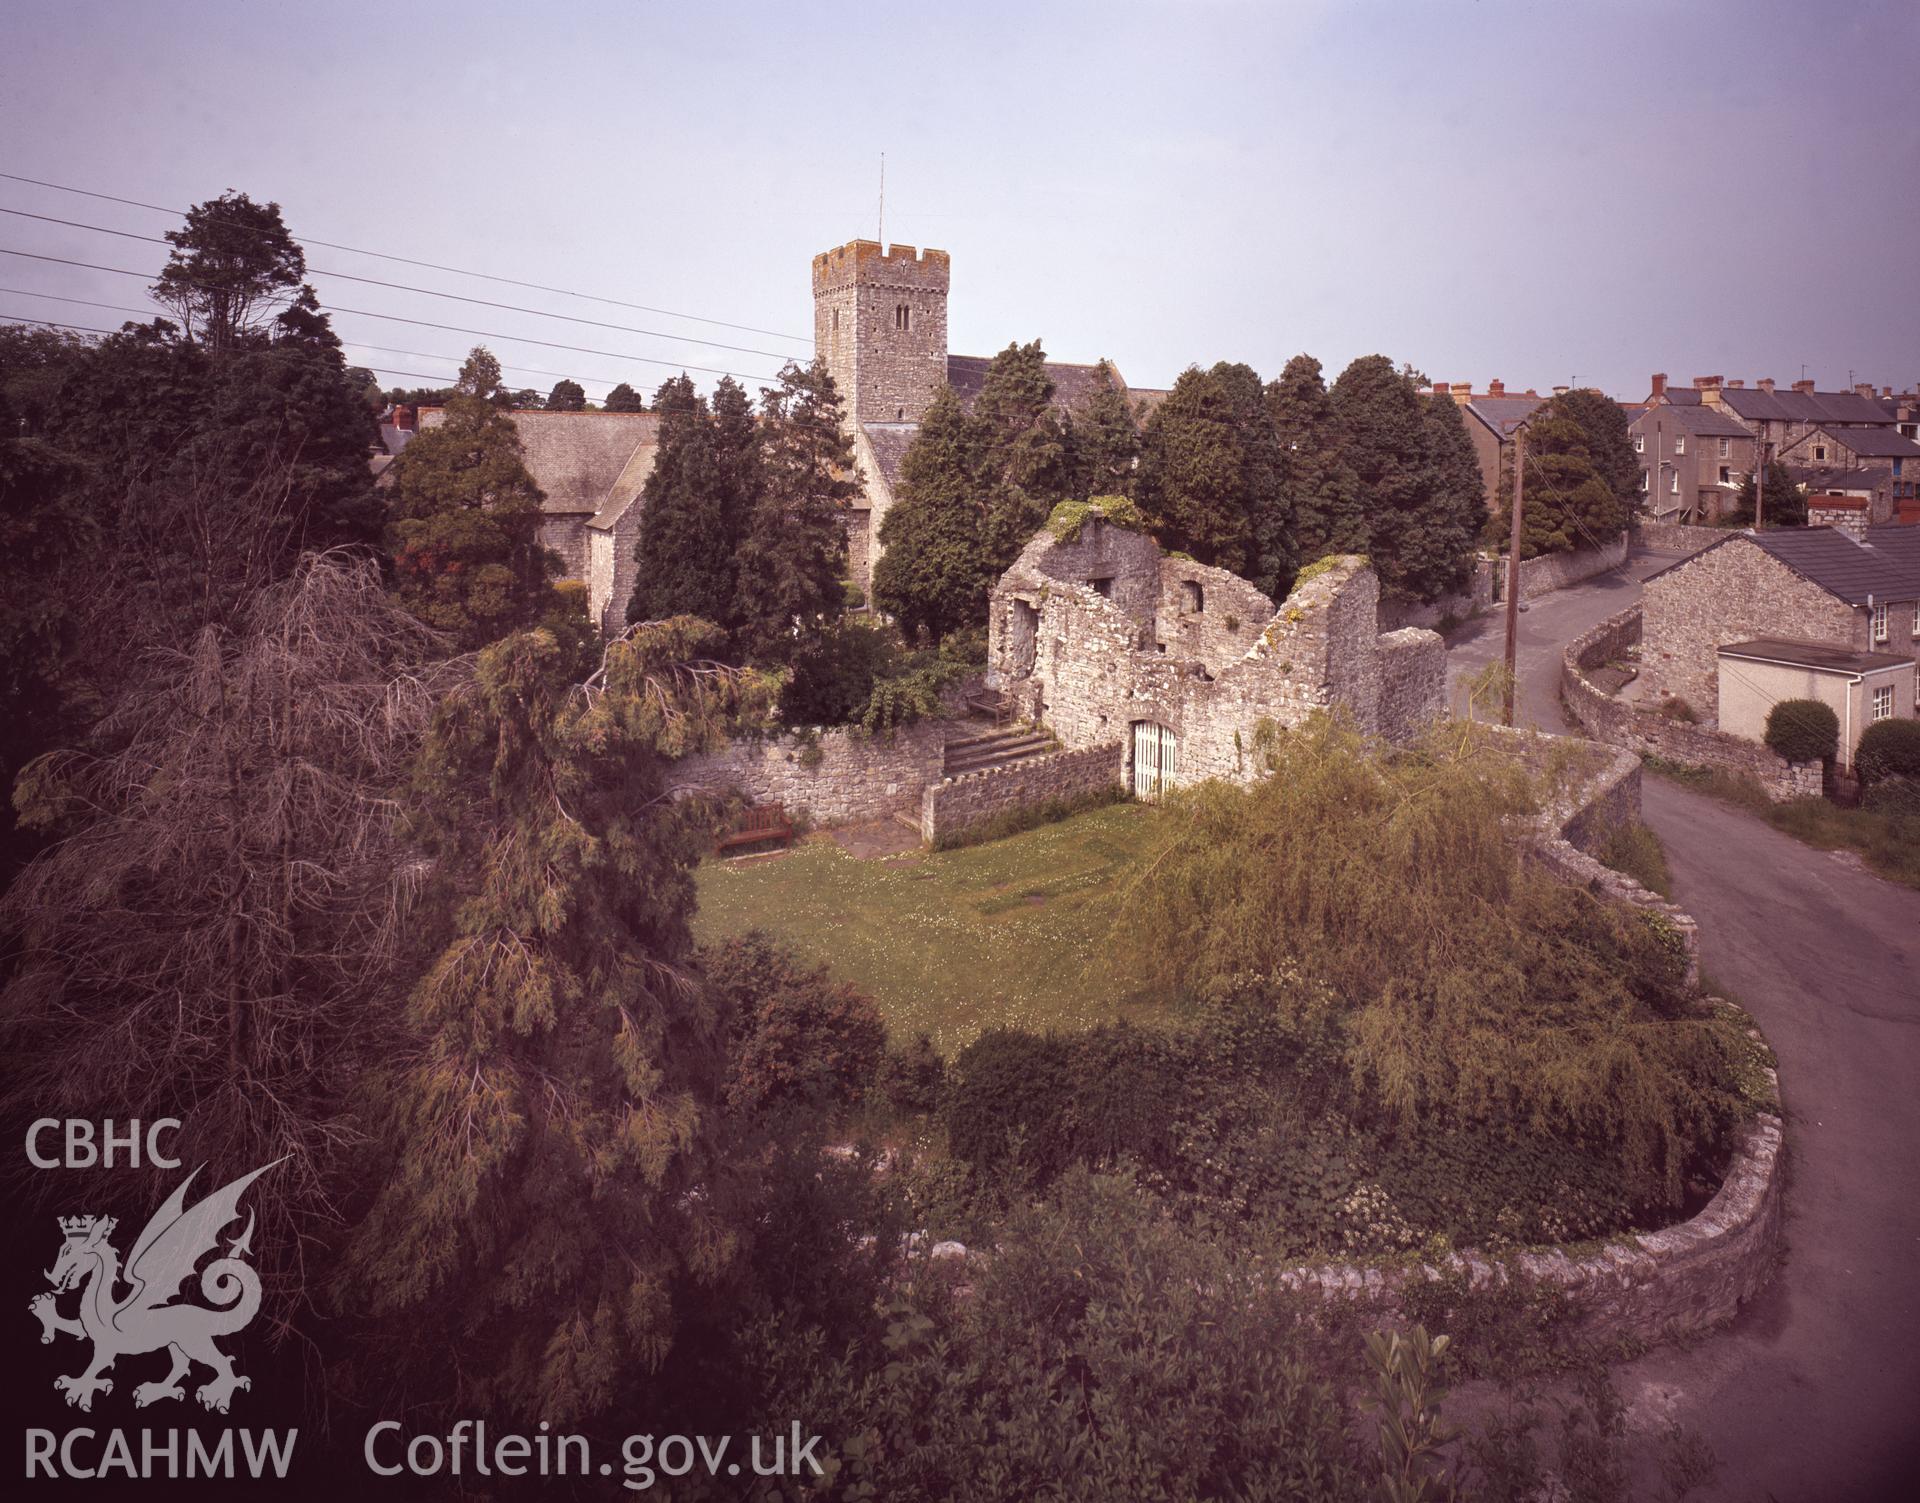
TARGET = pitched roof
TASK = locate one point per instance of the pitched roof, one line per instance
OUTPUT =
(1875, 443)
(889, 444)
(1504, 414)
(1803, 406)
(1832, 479)
(1819, 656)
(576, 458)
(1703, 421)
(1883, 562)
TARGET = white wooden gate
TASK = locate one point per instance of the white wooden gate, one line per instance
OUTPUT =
(1156, 760)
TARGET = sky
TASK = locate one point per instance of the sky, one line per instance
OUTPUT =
(1578, 193)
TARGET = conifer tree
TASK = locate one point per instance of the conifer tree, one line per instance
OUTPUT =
(552, 1186)
(793, 555)
(685, 551)
(1272, 557)
(1023, 451)
(1321, 491)
(1454, 518)
(1569, 504)
(935, 571)
(1103, 442)
(567, 396)
(1609, 443)
(465, 533)
(623, 398)
(736, 448)
(1195, 464)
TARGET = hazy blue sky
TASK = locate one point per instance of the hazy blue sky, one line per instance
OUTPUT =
(1539, 192)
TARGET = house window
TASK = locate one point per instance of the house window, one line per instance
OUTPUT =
(1193, 599)
(1639, 443)
(1673, 483)
(1916, 618)
(1726, 475)
(1879, 623)
(1726, 447)
(1643, 480)
(1820, 452)
(1883, 702)
(1679, 443)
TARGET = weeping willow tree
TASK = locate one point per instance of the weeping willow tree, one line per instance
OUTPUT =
(551, 1177)
(216, 934)
(1479, 991)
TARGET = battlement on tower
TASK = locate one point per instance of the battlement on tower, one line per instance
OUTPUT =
(867, 263)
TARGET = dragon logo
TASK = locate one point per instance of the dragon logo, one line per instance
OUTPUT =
(147, 1318)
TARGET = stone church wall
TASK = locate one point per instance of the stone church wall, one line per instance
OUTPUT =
(953, 806)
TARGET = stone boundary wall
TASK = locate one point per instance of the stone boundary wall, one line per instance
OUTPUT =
(1461, 605)
(832, 776)
(1675, 537)
(955, 805)
(1555, 571)
(1607, 719)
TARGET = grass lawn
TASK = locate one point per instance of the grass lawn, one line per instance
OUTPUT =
(951, 944)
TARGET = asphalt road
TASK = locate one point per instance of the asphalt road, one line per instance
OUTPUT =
(1813, 1394)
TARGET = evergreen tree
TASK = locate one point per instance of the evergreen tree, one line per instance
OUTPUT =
(1417, 480)
(623, 398)
(1023, 451)
(1786, 502)
(1321, 491)
(567, 396)
(466, 522)
(685, 551)
(552, 1185)
(1103, 443)
(935, 571)
(736, 446)
(1272, 557)
(793, 555)
(231, 261)
(1569, 504)
(1609, 444)
(1195, 465)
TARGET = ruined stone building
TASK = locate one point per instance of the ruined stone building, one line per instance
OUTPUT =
(1108, 641)
(880, 324)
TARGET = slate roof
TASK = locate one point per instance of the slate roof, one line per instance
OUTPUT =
(1819, 656)
(1803, 406)
(1504, 414)
(889, 444)
(1875, 443)
(578, 459)
(1702, 421)
(1832, 480)
(1883, 562)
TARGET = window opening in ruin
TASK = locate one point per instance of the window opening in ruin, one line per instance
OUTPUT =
(1103, 587)
(1193, 600)
(1023, 637)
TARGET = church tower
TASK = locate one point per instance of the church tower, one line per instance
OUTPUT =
(880, 323)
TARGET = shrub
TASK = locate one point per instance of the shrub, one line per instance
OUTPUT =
(1803, 730)
(800, 1039)
(1009, 1091)
(1126, 1091)
(1676, 708)
(911, 1077)
(1888, 749)
(834, 672)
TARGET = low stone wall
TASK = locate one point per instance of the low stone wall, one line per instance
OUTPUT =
(1605, 718)
(1643, 1288)
(954, 805)
(1675, 537)
(832, 776)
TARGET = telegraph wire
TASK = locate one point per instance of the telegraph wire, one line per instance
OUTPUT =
(344, 276)
(705, 370)
(458, 271)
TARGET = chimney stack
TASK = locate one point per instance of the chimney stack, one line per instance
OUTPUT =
(1736, 385)
(1442, 389)
(1462, 393)
(1803, 386)
(1765, 383)
(403, 419)
(1659, 384)
(1496, 388)
(1706, 383)
(1561, 391)
(1863, 389)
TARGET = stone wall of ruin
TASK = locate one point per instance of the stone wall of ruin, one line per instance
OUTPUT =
(833, 776)
(954, 806)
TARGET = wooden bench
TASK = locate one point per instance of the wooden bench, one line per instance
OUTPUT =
(757, 824)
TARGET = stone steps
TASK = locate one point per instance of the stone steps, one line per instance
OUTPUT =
(996, 749)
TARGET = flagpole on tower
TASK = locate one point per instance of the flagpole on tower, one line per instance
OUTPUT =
(883, 202)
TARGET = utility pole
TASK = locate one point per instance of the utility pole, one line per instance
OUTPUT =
(1760, 489)
(1513, 564)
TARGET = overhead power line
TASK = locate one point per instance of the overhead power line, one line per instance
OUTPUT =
(458, 271)
(705, 370)
(483, 302)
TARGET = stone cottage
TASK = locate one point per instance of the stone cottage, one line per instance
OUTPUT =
(590, 466)
(1106, 640)
(1750, 617)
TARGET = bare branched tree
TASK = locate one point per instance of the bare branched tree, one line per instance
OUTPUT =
(216, 936)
